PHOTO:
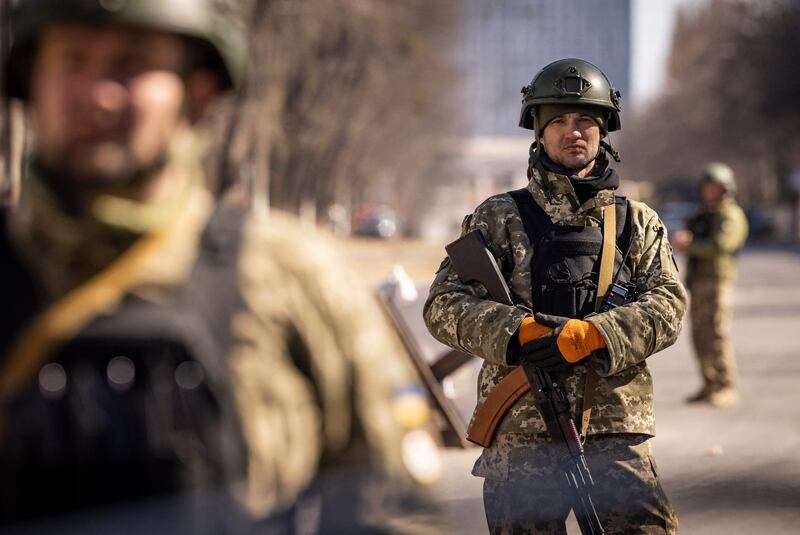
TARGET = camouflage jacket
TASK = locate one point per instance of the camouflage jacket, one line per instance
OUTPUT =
(460, 315)
(719, 232)
(339, 411)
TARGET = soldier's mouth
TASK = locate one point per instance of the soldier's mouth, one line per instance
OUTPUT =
(575, 148)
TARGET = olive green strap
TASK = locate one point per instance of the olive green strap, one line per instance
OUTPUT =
(604, 281)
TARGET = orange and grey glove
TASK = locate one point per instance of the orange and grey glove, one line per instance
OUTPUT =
(570, 341)
(530, 330)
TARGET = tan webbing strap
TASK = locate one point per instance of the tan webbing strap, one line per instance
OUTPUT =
(604, 281)
(71, 313)
(608, 254)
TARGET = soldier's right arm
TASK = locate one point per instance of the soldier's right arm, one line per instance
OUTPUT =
(461, 315)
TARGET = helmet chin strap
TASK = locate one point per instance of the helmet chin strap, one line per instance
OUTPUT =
(533, 156)
(613, 152)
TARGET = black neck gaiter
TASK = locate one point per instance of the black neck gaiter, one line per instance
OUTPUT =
(601, 177)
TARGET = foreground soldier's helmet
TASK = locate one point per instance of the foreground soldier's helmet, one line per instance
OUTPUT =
(219, 37)
(572, 82)
(722, 174)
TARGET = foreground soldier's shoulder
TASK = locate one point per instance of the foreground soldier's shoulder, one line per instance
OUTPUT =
(496, 208)
(286, 241)
(642, 215)
(496, 201)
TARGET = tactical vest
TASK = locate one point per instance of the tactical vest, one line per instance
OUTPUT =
(566, 262)
(137, 404)
(701, 224)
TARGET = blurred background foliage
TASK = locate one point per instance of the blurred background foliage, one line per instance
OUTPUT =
(348, 102)
(733, 95)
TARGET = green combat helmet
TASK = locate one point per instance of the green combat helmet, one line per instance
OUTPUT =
(570, 81)
(722, 174)
(219, 36)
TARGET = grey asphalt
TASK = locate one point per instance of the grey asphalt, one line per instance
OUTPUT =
(727, 471)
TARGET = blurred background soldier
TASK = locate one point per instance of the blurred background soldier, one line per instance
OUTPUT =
(157, 342)
(547, 240)
(713, 237)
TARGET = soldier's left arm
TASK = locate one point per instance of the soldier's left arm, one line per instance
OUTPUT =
(652, 322)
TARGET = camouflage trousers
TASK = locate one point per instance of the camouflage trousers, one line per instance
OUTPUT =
(627, 494)
(711, 324)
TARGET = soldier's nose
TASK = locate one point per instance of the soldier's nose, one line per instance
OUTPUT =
(109, 98)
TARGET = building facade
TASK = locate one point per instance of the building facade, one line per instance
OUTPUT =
(506, 42)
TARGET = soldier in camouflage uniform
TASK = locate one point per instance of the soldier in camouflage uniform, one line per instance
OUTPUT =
(159, 343)
(713, 237)
(571, 106)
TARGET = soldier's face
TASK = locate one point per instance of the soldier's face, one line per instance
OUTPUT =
(711, 192)
(106, 101)
(572, 141)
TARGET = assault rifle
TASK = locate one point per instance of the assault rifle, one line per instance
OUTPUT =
(474, 262)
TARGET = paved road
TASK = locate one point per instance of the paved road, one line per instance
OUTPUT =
(733, 471)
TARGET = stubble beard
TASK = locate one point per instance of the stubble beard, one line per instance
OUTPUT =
(573, 162)
(99, 165)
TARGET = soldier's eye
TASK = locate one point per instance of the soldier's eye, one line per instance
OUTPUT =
(72, 59)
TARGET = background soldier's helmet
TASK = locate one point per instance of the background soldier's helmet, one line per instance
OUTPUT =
(722, 174)
(216, 34)
(571, 82)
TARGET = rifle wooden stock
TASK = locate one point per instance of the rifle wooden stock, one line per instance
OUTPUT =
(500, 400)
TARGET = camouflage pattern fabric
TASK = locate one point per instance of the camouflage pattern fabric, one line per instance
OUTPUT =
(627, 495)
(711, 314)
(718, 233)
(724, 231)
(341, 410)
(462, 317)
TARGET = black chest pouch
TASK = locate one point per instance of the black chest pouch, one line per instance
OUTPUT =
(138, 403)
(566, 263)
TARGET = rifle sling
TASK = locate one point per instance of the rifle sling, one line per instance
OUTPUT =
(69, 314)
(603, 282)
(515, 385)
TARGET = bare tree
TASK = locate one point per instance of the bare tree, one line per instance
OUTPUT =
(348, 101)
(731, 96)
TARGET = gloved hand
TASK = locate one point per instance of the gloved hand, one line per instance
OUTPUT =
(530, 330)
(570, 341)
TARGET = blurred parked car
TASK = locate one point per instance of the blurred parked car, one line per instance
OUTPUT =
(377, 221)
(761, 222)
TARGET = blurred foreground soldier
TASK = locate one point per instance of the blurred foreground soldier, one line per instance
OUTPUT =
(164, 355)
(713, 237)
(547, 240)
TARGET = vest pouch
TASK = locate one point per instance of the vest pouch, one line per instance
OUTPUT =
(567, 301)
(566, 259)
(557, 301)
(127, 410)
(565, 265)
